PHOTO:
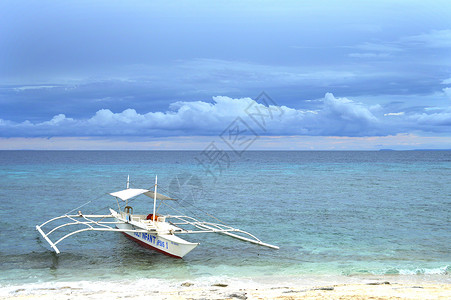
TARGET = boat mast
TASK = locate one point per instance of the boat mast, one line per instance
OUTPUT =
(128, 186)
(154, 198)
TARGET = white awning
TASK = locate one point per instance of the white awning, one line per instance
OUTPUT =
(130, 193)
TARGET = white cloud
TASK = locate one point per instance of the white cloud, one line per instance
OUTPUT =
(446, 81)
(235, 73)
(344, 117)
(34, 87)
(347, 109)
(58, 119)
(395, 114)
(447, 92)
(335, 116)
(432, 39)
(435, 119)
(374, 50)
(369, 55)
(379, 47)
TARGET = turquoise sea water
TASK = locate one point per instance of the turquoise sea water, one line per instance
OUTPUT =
(331, 213)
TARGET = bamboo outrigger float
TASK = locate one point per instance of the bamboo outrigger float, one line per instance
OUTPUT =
(157, 232)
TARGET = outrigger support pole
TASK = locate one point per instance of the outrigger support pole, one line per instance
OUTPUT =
(38, 228)
(258, 242)
(206, 227)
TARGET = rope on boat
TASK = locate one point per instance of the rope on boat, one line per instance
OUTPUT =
(197, 208)
(78, 207)
(86, 204)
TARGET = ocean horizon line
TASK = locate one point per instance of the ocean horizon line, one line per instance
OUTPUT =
(200, 150)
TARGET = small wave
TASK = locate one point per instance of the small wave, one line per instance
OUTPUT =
(441, 271)
(416, 271)
(88, 287)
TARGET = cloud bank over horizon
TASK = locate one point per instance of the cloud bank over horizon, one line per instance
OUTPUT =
(101, 70)
(335, 116)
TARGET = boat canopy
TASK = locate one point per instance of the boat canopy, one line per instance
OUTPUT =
(130, 193)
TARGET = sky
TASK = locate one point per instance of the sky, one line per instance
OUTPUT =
(284, 75)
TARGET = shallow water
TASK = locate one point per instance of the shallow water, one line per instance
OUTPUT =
(331, 213)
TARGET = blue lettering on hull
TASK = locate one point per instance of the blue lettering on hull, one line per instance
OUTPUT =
(151, 239)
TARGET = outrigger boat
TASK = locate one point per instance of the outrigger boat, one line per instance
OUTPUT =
(157, 232)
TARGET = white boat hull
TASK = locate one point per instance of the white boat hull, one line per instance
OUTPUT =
(168, 244)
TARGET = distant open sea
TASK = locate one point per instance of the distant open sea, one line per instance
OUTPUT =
(341, 213)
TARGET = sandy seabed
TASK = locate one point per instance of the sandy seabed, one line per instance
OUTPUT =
(324, 287)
